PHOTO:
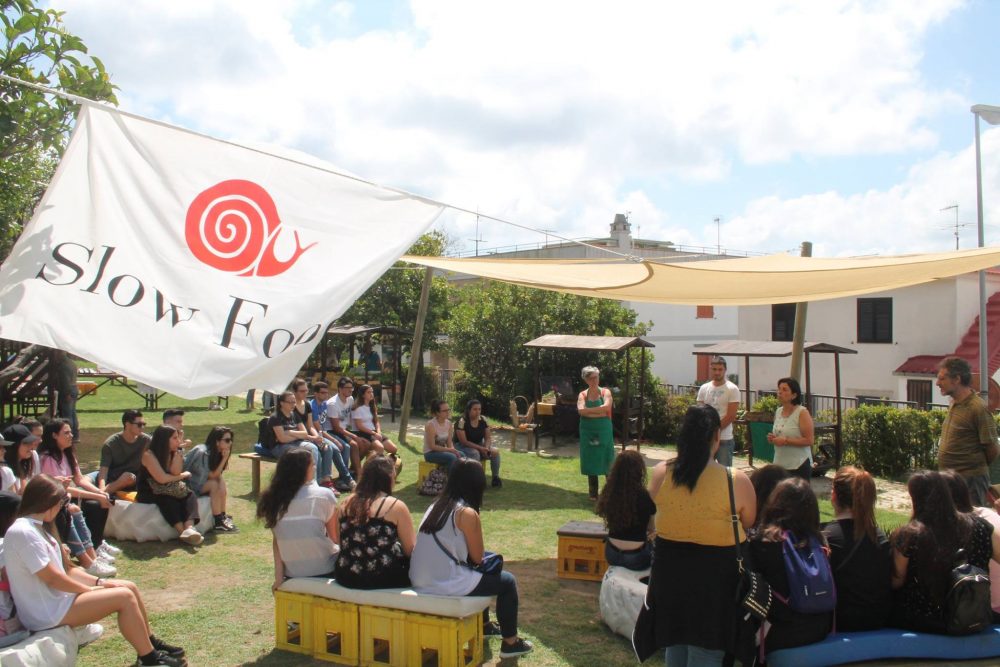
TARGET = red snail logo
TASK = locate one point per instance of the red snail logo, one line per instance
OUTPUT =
(233, 226)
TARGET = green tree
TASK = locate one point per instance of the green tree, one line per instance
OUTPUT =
(34, 126)
(492, 320)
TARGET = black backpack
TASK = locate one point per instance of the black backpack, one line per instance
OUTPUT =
(265, 434)
(967, 604)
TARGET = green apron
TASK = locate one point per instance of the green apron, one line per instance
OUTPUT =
(597, 442)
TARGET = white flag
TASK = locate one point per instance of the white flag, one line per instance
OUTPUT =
(194, 265)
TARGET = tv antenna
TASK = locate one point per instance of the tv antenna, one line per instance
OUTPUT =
(718, 235)
(957, 224)
(479, 239)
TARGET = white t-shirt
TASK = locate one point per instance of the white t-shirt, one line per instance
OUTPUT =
(362, 416)
(8, 479)
(27, 549)
(305, 548)
(338, 408)
(719, 398)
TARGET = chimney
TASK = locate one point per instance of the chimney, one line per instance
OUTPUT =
(621, 232)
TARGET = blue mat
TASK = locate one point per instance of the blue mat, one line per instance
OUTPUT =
(885, 644)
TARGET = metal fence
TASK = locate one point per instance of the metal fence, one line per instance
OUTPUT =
(816, 402)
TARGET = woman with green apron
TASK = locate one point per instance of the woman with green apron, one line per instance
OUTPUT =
(597, 444)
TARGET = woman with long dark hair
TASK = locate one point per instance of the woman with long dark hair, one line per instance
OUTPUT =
(58, 457)
(860, 555)
(48, 594)
(764, 479)
(364, 419)
(628, 511)
(207, 463)
(21, 457)
(962, 497)
(302, 518)
(923, 552)
(160, 482)
(438, 436)
(304, 414)
(475, 440)
(376, 532)
(450, 536)
(791, 509)
(695, 570)
(792, 434)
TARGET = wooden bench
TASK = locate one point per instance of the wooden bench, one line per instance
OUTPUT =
(255, 460)
(581, 551)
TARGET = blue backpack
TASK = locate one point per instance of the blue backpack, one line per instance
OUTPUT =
(810, 579)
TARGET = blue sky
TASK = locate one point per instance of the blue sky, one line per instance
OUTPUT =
(844, 123)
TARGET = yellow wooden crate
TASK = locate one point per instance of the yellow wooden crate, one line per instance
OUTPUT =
(335, 631)
(389, 637)
(581, 558)
(293, 620)
(423, 469)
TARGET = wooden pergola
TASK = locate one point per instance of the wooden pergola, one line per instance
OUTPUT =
(747, 349)
(617, 344)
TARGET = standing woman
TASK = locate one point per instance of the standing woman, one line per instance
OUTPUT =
(628, 512)
(792, 435)
(695, 572)
(302, 519)
(160, 479)
(597, 442)
(860, 556)
(475, 439)
(206, 463)
(438, 434)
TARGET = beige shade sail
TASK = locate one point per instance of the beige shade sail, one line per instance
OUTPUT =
(724, 282)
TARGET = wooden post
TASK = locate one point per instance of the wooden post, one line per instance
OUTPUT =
(799, 335)
(628, 397)
(415, 352)
(642, 399)
(808, 398)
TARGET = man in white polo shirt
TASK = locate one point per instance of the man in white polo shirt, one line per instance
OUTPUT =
(724, 396)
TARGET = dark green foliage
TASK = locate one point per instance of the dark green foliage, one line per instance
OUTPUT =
(889, 442)
(676, 405)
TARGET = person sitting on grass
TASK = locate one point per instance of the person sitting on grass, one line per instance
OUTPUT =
(628, 511)
(207, 463)
(48, 593)
(375, 532)
(302, 519)
(161, 482)
(449, 545)
(476, 441)
(59, 460)
(438, 437)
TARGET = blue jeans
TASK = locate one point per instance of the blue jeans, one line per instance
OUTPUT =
(78, 537)
(639, 559)
(685, 655)
(341, 456)
(504, 586)
(475, 455)
(725, 453)
(322, 459)
(444, 458)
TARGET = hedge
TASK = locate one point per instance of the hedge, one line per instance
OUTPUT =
(889, 442)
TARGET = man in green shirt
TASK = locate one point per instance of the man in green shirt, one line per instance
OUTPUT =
(969, 434)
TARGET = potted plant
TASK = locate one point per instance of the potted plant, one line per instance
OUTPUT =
(761, 421)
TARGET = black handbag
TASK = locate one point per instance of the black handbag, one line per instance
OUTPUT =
(492, 563)
(753, 596)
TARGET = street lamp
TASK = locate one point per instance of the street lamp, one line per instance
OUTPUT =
(991, 115)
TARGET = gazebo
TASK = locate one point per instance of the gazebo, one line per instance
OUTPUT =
(617, 344)
(747, 349)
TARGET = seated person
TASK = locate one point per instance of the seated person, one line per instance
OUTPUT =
(48, 595)
(302, 519)
(365, 422)
(161, 482)
(10, 503)
(207, 463)
(340, 452)
(860, 556)
(121, 455)
(288, 431)
(628, 511)
(764, 480)
(475, 440)
(923, 552)
(21, 457)
(791, 507)
(340, 409)
(375, 532)
(450, 535)
(438, 437)
(304, 414)
(963, 503)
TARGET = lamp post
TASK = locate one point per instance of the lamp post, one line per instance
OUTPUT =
(990, 114)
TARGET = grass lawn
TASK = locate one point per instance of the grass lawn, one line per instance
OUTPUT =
(215, 599)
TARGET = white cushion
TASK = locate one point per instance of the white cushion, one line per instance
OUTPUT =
(621, 598)
(142, 522)
(405, 599)
(50, 648)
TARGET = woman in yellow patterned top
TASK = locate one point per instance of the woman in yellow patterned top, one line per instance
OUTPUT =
(695, 574)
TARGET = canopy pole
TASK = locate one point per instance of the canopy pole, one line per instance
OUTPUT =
(628, 398)
(746, 382)
(415, 352)
(642, 399)
(799, 336)
(838, 440)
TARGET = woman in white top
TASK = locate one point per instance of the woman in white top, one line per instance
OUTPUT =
(792, 435)
(364, 417)
(450, 544)
(20, 456)
(438, 436)
(302, 519)
(47, 595)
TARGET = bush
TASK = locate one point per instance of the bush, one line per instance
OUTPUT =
(673, 417)
(656, 426)
(768, 403)
(889, 442)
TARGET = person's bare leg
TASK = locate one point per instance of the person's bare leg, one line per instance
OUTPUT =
(123, 483)
(216, 495)
(92, 606)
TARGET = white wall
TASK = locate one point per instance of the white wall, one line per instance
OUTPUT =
(676, 332)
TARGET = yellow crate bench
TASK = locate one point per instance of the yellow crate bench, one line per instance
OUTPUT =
(424, 468)
(581, 551)
(395, 627)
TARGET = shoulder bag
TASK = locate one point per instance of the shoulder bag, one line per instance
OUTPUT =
(753, 595)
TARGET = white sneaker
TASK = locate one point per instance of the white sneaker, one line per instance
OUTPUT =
(88, 633)
(101, 569)
(105, 558)
(191, 536)
(109, 549)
